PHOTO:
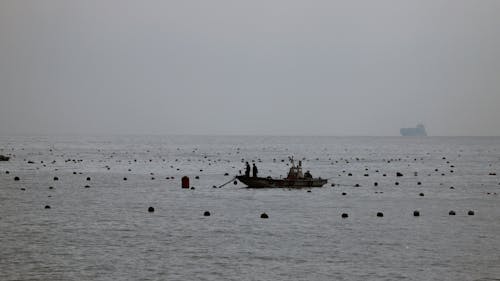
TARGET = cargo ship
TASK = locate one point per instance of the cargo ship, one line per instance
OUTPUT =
(418, 131)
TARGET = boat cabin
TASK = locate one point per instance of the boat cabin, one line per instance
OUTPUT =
(295, 171)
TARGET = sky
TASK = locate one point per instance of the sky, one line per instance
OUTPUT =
(335, 68)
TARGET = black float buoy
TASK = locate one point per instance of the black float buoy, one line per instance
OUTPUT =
(124, 179)
(197, 177)
(421, 194)
(47, 206)
(332, 184)
(51, 187)
(7, 172)
(16, 178)
(206, 214)
(56, 178)
(309, 191)
(470, 213)
(396, 183)
(235, 182)
(88, 178)
(375, 183)
(344, 194)
(344, 215)
(226, 174)
(416, 213)
(192, 188)
(380, 214)
(451, 213)
(264, 216)
(87, 186)
(419, 183)
(151, 209)
(398, 174)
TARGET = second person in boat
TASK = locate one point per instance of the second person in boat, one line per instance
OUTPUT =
(254, 170)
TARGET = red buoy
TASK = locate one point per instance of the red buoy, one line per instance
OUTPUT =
(185, 182)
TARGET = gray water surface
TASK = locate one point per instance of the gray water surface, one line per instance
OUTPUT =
(105, 232)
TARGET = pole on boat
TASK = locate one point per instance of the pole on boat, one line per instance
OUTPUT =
(227, 182)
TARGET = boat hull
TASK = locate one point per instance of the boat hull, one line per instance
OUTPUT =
(258, 182)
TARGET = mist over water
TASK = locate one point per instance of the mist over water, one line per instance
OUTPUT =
(284, 67)
(98, 226)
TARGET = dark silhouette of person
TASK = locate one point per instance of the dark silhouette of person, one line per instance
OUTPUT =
(255, 171)
(247, 170)
(308, 175)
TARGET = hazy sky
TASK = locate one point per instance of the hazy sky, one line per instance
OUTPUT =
(249, 67)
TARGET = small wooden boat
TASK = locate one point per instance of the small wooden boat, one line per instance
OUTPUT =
(294, 179)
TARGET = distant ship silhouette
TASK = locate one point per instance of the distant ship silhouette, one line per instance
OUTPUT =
(418, 131)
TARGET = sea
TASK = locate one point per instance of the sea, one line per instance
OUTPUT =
(113, 208)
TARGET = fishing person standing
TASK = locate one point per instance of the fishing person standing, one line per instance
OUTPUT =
(247, 170)
(255, 171)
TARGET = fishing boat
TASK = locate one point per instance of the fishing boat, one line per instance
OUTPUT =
(294, 179)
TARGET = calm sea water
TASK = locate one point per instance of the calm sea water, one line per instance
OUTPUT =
(105, 232)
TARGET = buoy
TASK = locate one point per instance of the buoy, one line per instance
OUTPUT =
(264, 216)
(87, 186)
(398, 174)
(47, 207)
(56, 178)
(344, 215)
(380, 214)
(421, 194)
(7, 172)
(214, 186)
(470, 213)
(451, 213)
(88, 178)
(416, 213)
(197, 177)
(51, 187)
(397, 183)
(357, 185)
(308, 191)
(206, 214)
(16, 178)
(151, 209)
(185, 182)
(192, 187)
(235, 182)
(226, 174)
(124, 179)
(375, 183)
(451, 187)
(343, 193)
(419, 183)
(23, 189)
